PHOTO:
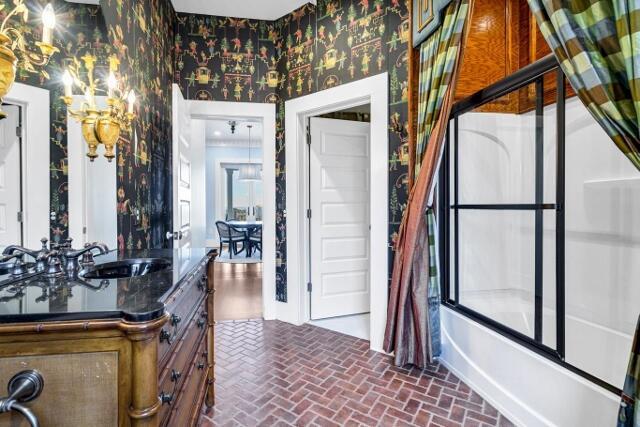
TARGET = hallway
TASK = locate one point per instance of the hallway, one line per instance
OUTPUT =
(238, 291)
(273, 373)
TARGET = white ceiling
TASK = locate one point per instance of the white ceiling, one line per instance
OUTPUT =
(269, 10)
(218, 133)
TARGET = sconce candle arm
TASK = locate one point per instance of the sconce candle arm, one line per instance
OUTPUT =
(14, 12)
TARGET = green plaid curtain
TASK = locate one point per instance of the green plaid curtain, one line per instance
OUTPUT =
(438, 57)
(597, 43)
(629, 415)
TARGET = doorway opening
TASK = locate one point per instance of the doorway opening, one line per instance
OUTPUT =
(234, 210)
(372, 91)
(233, 169)
(11, 177)
(338, 159)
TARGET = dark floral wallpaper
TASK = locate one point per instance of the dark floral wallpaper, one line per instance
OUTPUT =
(311, 49)
(80, 29)
(141, 32)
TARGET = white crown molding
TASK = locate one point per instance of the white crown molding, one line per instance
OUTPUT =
(268, 10)
(253, 9)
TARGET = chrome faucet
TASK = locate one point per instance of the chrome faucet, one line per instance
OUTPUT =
(54, 260)
(16, 251)
(70, 256)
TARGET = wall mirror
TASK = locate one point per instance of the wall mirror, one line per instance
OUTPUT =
(48, 186)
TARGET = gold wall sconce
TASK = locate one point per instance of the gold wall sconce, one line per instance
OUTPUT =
(99, 126)
(13, 46)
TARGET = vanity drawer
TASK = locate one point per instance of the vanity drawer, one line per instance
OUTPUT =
(187, 409)
(187, 349)
(180, 306)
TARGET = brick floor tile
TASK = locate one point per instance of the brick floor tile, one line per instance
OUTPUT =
(270, 373)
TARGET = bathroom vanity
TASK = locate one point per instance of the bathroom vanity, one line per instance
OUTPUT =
(128, 341)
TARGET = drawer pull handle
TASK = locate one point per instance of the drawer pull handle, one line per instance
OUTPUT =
(166, 336)
(166, 398)
(204, 314)
(201, 365)
(24, 386)
(175, 319)
(200, 323)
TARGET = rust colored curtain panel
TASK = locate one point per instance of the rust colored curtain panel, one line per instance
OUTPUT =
(413, 317)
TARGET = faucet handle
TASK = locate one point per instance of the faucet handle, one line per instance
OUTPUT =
(87, 257)
(54, 267)
(19, 268)
(68, 243)
(44, 241)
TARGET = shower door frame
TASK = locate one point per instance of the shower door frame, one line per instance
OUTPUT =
(448, 214)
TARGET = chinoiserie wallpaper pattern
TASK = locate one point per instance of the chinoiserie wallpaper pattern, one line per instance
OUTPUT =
(311, 49)
(141, 32)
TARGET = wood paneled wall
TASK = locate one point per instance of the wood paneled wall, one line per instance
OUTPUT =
(503, 37)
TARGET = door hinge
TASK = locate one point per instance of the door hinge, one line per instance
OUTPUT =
(308, 135)
(20, 217)
(19, 131)
(309, 287)
(309, 213)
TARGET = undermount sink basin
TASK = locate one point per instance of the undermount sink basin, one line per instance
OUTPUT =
(127, 268)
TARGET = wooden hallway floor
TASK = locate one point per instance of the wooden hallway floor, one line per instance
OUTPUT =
(238, 291)
(270, 373)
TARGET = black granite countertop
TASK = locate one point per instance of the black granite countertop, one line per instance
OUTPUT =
(35, 298)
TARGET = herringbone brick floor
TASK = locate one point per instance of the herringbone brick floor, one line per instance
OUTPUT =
(273, 373)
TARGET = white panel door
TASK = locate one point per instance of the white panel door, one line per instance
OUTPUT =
(181, 172)
(10, 191)
(339, 230)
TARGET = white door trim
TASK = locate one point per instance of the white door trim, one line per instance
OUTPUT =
(266, 112)
(374, 91)
(35, 163)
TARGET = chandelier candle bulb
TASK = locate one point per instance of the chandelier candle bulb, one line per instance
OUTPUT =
(112, 83)
(14, 47)
(48, 24)
(90, 99)
(131, 98)
(67, 80)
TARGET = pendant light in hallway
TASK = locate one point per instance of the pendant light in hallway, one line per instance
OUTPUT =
(250, 171)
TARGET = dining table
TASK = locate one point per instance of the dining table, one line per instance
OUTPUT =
(248, 226)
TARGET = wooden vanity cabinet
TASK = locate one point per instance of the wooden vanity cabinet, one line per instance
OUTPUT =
(112, 372)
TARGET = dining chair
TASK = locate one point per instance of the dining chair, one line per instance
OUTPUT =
(232, 236)
(255, 240)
